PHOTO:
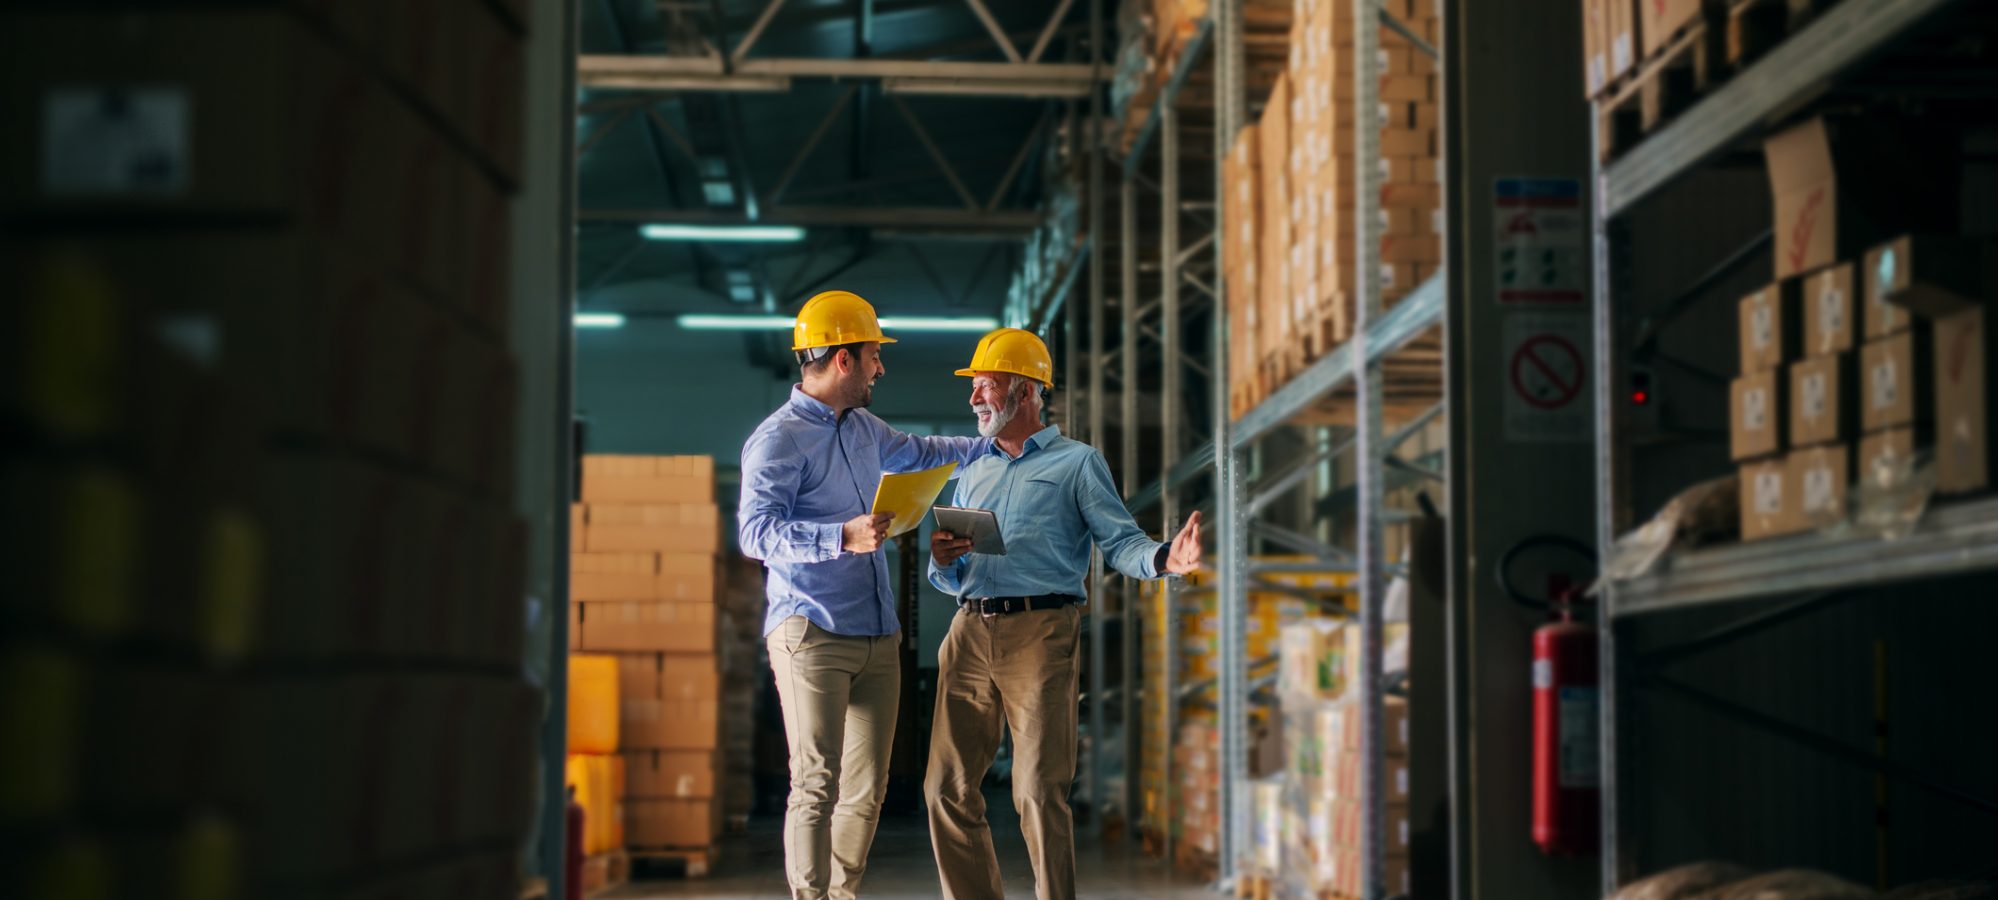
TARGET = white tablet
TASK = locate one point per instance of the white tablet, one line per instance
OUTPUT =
(980, 525)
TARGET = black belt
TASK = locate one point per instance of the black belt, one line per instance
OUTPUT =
(999, 606)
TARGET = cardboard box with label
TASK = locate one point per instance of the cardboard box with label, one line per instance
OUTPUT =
(1621, 20)
(1822, 406)
(669, 701)
(1768, 503)
(1829, 307)
(609, 478)
(1964, 434)
(1595, 47)
(1895, 386)
(1886, 457)
(1758, 408)
(1819, 476)
(1934, 275)
(1771, 328)
(1878, 275)
(1831, 202)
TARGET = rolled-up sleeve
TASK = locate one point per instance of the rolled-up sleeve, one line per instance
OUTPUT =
(772, 470)
(1125, 546)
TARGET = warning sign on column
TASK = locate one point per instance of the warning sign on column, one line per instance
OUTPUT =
(1540, 242)
(1547, 377)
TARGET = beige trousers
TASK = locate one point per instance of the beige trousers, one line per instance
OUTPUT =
(840, 695)
(1016, 671)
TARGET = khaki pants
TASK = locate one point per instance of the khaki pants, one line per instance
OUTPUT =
(840, 696)
(1016, 671)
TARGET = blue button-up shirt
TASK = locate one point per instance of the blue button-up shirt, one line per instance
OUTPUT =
(1051, 502)
(806, 471)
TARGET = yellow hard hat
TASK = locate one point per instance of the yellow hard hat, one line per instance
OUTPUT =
(833, 318)
(1014, 350)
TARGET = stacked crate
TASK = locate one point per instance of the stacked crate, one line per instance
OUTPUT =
(595, 774)
(745, 667)
(644, 588)
(1308, 184)
(265, 624)
(1838, 373)
(1241, 247)
(1945, 282)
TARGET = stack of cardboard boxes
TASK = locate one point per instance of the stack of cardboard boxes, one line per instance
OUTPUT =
(745, 668)
(1838, 376)
(267, 612)
(1291, 194)
(644, 589)
(1945, 283)
(1334, 812)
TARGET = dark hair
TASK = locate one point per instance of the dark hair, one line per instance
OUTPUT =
(814, 360)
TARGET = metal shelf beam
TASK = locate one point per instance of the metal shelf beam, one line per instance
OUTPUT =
(1388, 332)
(1793, 73)
(1954, 539)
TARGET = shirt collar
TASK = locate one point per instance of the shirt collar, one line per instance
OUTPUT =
(1039, 440)
(811, 405)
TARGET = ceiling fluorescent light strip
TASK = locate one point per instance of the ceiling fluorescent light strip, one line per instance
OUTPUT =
(599, 320)
(767, 233)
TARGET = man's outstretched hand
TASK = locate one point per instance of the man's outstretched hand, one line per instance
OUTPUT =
(1184, 557)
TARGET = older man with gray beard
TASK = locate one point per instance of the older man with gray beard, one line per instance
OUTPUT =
(1010, 657)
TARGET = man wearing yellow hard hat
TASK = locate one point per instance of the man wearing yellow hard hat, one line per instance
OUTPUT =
(809, 474)
(1010, 657)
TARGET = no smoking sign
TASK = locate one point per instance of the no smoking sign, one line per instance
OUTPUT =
(1546, 377)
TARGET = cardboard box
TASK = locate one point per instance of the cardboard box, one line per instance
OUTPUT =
(593, 703)
(1768, 502)
(659, 822)
(1823, 409)
(1621, 20)
(1884, 456)
(1828, 310)
(1662, 19)
(1347, 768)
(613, 576)
(1822, 217)
(671, 773)
(639, 527)
(1756, 413)
(1349, 818)
(1881, 273)
(1819, 476)
(1771, 328)
(650, 625)
(648, 479)
(1963, 348)
(669, 701)
(1595, 47)
(1894, 381)
(1934, 275)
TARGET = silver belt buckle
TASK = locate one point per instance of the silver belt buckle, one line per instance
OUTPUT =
(984, 609)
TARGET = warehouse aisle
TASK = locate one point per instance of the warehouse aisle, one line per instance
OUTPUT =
(752, 866)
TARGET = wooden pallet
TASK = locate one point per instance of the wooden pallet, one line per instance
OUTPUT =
(687, 862)
(1255, 887)
(1663, 86)
(605, 871)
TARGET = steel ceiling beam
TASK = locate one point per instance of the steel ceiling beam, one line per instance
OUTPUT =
(1018, 222)
(692, 73)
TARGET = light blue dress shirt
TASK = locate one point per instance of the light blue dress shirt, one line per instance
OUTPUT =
(1052, 503)
(807, 470)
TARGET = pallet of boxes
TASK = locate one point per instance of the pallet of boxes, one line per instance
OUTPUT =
(644, 593)
(264, 628)
(1321, 815)
(1862, 347)
(1305, 145)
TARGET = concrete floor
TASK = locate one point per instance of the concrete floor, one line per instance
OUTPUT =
(752, 866)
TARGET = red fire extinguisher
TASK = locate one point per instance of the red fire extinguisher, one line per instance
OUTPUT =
(572, 847)
(1567, 793)
(1567, 775)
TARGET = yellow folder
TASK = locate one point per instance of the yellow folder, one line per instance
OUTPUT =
(909, 496)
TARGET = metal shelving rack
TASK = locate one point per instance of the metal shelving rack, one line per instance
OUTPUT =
(1218, 41)
(1955, 539)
